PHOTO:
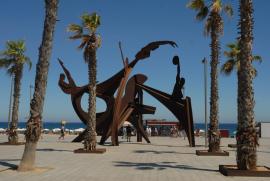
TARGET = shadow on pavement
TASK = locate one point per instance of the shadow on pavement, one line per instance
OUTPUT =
(52, 149)
(159, 166)
(9, 165)
(160, 152)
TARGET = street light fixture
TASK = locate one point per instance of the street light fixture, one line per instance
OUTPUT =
(204, 61)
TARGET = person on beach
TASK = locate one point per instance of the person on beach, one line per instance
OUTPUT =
(156, 131)
(62, 132)
(124, 132)
(182, 133)
(129, 130)
(149, 131)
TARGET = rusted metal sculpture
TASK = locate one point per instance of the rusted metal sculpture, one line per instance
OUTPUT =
(128, 107)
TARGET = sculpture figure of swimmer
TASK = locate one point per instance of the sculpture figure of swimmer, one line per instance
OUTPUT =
(177, 94)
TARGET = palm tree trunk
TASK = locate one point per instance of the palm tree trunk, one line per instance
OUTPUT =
(90, 136)
(33, 129)
(214, 135)
(12, 134)
(247, 139)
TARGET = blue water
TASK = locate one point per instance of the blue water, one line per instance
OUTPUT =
(75, 125)
(229, 126)
(49, 125)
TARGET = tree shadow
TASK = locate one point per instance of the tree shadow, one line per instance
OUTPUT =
(52, 149)
(152, 144)
(9, 165)
(161, 152)
(159, 166)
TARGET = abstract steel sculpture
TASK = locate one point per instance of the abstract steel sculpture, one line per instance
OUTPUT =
(128, 107)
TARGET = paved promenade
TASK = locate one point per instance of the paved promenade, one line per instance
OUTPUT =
(165, 159)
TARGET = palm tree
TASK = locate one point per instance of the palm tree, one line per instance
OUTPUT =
(233, 61)
(247, 139)
(33, 128)
(214, 28)
(13, 59)
(90, 42)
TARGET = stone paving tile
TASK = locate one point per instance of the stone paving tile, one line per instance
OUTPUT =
(165, 159)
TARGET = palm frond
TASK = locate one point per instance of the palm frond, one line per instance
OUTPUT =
(216, 6)
(196, 4)
(90, 21)
(85, 40)
(75, 37)
(254, 72)
(15, 48)
(257, 58)
(228, 67)
(207, 26)
(6, 62)
(28, 62)
(232, 45)
(228, 10)
(98, 41)
(14, 56)
(82, 45)
(233, 51)
(21, 45)
(227, 54)
(202, 14)
(11, 71)
(75, 28)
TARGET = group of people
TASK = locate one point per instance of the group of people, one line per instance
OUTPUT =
(151, 131)
(127, 132)
(174, 131)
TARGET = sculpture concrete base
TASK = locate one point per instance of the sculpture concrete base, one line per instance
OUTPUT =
(232, 170)
(207, 153)
(97, 150)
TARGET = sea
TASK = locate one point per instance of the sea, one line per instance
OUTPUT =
(75, 125)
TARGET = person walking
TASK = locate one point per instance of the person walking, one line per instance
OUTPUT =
(129, 130)
(156, 131)
(149, 131)
(62, 132)
(124, 132)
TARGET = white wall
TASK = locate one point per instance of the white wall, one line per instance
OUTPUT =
(265, 130)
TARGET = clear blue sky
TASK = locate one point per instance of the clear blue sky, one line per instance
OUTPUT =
(135, 23)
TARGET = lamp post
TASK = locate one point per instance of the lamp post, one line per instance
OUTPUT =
(204, 61)
(10, 100)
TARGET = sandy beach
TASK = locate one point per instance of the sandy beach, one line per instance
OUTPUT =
(165, 158)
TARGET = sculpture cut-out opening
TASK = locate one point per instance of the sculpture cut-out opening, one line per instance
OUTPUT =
(100, 104)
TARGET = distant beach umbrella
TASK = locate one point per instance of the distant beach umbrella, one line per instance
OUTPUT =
(56, 130)
(126, 123)
(79, 130)
(2, 130)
